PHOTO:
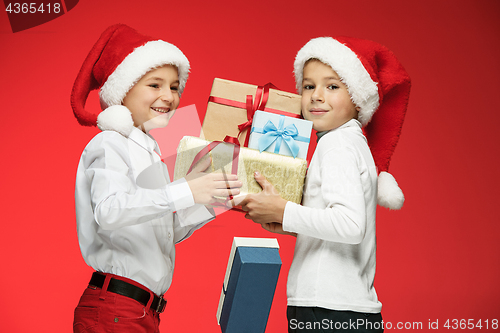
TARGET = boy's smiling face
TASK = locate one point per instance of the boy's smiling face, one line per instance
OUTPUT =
(325, 99)
(154, 96)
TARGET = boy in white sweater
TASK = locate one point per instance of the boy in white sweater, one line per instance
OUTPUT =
(343, 82)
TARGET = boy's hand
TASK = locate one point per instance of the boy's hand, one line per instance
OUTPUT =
(204, 186)
(277, 228)
(266, 206)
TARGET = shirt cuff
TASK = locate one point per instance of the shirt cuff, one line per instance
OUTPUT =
(287, 223)
(180, 194)
(195, 215)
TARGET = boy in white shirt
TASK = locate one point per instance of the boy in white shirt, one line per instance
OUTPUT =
(127, 229)
(346, 84)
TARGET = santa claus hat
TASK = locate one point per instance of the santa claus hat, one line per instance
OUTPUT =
(120, 58)
(379, 86)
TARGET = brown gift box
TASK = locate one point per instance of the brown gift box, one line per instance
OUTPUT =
(222, 120)
(284, 172)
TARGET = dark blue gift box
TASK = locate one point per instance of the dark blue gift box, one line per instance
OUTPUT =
(249, 285)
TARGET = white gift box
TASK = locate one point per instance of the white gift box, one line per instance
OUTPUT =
(280, 134)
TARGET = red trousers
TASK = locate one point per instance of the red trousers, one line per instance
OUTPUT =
(100, 311)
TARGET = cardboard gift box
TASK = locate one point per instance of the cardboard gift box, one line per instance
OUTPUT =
(232, 104)
(286, 173)
(249, 284)
(280, 134)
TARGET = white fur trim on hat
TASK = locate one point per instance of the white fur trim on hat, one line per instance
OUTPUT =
(135, 65)
(116, 118)
(345, 62)
(389, 194)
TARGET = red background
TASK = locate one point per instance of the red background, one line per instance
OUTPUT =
(437, 257)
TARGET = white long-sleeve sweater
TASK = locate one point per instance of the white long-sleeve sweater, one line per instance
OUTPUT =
(334, 260)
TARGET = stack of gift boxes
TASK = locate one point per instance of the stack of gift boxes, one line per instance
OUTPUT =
(250, 128)
(265, 123)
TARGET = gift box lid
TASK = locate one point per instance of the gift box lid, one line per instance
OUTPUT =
(278, 99)
(248, 289)
(228, 108)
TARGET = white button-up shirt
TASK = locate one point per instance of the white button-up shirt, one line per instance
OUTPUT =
(128, 214)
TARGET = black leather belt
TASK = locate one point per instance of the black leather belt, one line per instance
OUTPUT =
(129, 290)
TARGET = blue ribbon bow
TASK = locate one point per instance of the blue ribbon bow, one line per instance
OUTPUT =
(289, 134)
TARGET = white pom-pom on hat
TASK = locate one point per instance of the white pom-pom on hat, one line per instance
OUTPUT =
(389, 194)
(116, 118)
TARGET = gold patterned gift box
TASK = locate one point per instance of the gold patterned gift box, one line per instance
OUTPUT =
(284, 172)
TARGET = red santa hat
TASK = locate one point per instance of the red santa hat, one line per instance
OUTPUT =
(120, 58)
(379, 86)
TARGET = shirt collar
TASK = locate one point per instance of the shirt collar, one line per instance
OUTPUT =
(144, 140)
(320, 134)
(350, 123)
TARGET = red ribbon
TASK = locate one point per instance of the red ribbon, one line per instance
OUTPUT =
(208, 148)
(261, 97)
(233, 140)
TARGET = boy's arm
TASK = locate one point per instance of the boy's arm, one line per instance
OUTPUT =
(115, 198)
(344, 218)
(187, 221)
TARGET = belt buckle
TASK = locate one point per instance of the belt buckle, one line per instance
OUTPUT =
(161, 304)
